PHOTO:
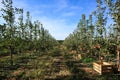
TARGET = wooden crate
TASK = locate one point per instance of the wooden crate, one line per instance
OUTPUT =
(102, 68)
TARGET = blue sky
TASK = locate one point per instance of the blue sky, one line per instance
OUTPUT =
(60, 17)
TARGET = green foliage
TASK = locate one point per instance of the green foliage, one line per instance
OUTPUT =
(114, 11)
(79, 36)
(31, 38)
(88, 35)
(87, 60)
(25, 36)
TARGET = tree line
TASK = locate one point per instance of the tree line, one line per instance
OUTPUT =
(95, 36)
(18, 36)
(100, 33)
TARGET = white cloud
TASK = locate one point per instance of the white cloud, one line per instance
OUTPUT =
(76, 8)
(60, 5)
(20, 4)
(57, 27)
(37, 13)
(72, 11)
(1, 4)
(1, 19)
(68, 14)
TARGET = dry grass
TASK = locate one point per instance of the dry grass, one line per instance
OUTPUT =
(64, 73)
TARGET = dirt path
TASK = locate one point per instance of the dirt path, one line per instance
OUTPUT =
(65, 67)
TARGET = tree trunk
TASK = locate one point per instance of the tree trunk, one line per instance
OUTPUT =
(11, 55)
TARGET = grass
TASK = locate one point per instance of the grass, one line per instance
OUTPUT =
(87, 60)
(55, 65)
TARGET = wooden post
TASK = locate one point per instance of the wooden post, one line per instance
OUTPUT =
(101, 60)
(118, 58)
